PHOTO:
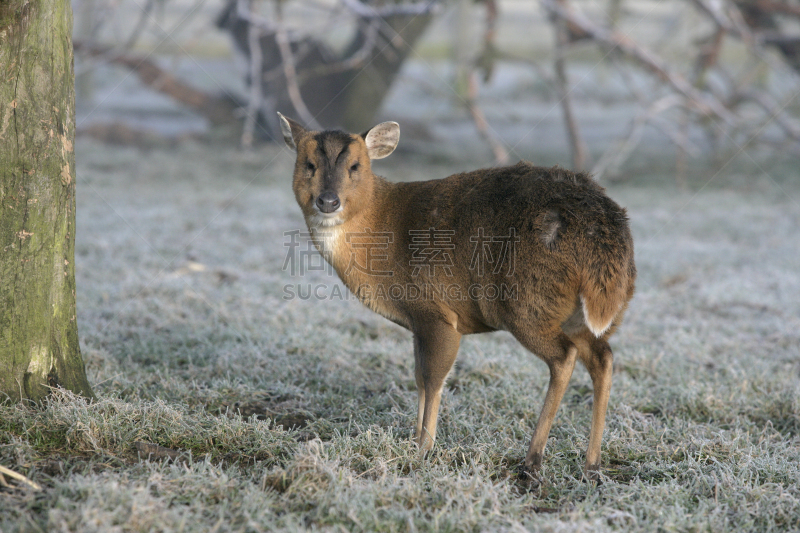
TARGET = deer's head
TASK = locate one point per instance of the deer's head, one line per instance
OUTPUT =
(333, 177)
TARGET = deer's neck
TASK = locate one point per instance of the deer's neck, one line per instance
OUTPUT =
(362, 252)
(352, 240)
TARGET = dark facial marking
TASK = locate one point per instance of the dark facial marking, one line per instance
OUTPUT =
(332, 147)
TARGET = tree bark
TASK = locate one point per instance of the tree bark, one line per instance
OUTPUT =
(38, 326)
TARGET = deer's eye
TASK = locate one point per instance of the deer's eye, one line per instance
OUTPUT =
(354, 167)
(310, 166)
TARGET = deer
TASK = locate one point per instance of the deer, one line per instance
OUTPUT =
(569, 263)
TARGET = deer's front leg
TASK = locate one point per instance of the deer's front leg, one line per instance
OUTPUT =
(435, 348)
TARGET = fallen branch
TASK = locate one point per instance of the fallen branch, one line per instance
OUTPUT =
(154, 451)
(19, 477)
(122, 134)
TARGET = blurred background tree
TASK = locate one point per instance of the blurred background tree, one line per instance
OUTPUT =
(703, 75)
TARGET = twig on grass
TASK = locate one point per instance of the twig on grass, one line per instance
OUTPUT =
(19, 477)
(154, 451)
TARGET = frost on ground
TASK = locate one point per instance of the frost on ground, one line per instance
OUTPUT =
(296, 413)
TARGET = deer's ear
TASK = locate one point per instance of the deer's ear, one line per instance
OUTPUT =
(382, 139)
(292, 132)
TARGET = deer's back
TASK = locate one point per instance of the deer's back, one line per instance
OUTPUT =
(551, 209)
(561, 223)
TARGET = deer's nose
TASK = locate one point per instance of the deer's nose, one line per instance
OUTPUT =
(328, 202)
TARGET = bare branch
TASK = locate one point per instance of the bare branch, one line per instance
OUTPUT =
(731, 22)
(405, 9)
(618, 153)
(140, 25)
(282, 39)
(670, 129)
(708, 56)
(488, 55)
(254, 103)
(500, 153)
(678, 134)
(703, 103)
(775, 111)
(577, 145)
(784, 8)
(245, 13)
(357, 60)
(217, 109)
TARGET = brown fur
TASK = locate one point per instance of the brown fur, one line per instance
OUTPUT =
(573, 265)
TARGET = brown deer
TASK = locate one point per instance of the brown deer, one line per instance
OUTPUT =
(565, 258)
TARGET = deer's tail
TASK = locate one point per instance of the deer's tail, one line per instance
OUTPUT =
(607, 286)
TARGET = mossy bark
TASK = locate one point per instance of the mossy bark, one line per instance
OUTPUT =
(38, 326)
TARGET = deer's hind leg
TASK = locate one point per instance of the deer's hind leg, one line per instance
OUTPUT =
(560, 354)
(596, 355)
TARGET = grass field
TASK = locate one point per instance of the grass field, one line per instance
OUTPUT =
(296, 413)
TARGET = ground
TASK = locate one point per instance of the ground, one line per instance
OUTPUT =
(296, 413)
(228, 399)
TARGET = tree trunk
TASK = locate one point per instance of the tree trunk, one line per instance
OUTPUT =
(367, 86)
(38, 327)
(339, 90)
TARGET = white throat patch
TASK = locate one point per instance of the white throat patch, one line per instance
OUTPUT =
(327, 239)
(320, 221)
